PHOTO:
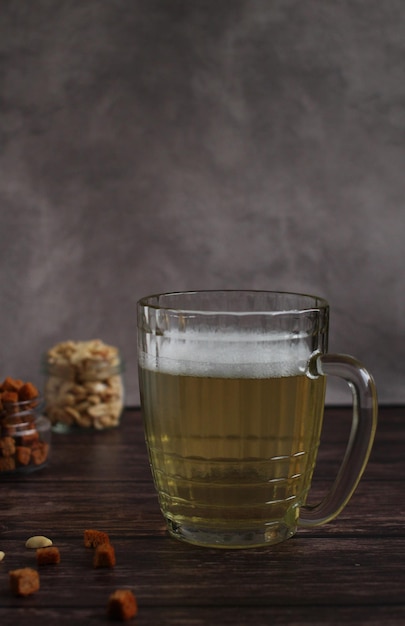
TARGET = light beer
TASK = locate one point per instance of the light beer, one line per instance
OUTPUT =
(232, 426)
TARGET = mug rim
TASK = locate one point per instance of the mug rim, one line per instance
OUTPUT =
(152, 301)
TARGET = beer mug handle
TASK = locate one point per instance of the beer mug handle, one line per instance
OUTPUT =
(364, 423)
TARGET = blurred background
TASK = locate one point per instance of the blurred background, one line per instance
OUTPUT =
(160, 145)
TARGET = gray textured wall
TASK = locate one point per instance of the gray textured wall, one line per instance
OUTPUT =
(160, 145)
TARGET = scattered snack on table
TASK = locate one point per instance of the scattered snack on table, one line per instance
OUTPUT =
(84, 386)
(24, 581)
(24, 437)
(104, 555)
(93, 538)
(122, 605)
(38, 541)
(48, 556)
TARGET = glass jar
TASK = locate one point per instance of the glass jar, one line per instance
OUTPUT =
(25, 437)
(83, 386)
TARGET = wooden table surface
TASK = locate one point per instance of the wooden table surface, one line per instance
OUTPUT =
(350, 571)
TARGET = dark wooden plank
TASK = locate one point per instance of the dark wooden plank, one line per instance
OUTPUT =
(212, 616)
(170, 573)
(132, 508)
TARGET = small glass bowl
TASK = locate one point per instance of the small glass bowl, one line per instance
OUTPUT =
(25, 437)
(87, 394)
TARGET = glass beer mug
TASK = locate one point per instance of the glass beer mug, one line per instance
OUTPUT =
(232, 390)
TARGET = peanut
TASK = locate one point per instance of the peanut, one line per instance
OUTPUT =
(38, 541)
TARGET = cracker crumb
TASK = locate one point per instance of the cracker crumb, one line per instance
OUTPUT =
(104, 555)
(122, 605)
(24, 581)
(93, 538)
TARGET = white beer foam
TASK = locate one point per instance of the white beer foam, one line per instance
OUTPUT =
(230, 355)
